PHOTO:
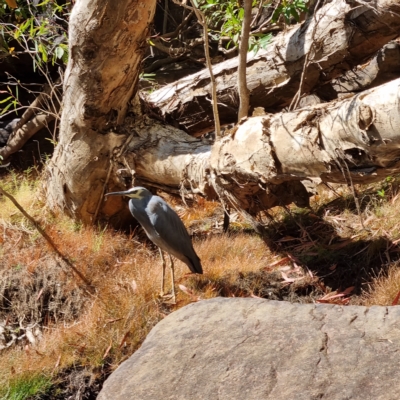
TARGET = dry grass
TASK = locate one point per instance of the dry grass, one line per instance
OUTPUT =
(100, 330)
(90, 334)
(385, 289)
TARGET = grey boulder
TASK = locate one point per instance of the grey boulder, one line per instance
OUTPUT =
(245, 348)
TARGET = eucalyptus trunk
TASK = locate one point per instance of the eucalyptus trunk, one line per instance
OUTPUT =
(107, 41)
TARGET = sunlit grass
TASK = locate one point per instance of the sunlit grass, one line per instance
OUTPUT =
(25, 386)
(98, 327)
(21, 186)
(126, 276)
(385, 289)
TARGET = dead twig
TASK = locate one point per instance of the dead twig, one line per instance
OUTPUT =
(175, 33)
(244, 93)
(203, 22)
(47, 238)
(296, 98)
(117, 153)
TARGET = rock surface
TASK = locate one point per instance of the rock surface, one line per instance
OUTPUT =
(245, 348)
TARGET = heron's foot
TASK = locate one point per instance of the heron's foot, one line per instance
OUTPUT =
(168, 298)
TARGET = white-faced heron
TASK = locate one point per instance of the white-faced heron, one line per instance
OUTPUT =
(164, 228)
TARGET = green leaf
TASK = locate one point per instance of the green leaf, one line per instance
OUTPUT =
(25, 25)
(5, 100)
(43, 29)
(31, 30)
(59, 52)
(65, 57)
(4, 110)
(276, 14)
(295, 14)
(43, 52)
(265, 40)
(206, 6)
(301, 5)
(43, 3)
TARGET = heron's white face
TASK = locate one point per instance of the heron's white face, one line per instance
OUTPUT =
(136, 193)
(133, 193)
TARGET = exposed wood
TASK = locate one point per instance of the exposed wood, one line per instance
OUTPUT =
(21, 135)
(345, 35)
(258, 164)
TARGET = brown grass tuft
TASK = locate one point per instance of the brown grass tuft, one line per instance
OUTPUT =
(384, 290)
(87, 335)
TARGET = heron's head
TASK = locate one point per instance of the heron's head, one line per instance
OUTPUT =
(133, 193)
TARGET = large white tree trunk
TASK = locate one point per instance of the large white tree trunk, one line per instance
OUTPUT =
(107, 43)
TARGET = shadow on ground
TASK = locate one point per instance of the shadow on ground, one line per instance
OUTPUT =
(334, 256)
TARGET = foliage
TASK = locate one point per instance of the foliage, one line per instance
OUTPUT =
(225, 19)
(289, 9)
(39, 28)
(11, 100)
(386, 185)
(259, 41)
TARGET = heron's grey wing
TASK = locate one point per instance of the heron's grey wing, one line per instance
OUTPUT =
(172, 233)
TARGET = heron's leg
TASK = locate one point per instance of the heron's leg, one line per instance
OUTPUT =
(226, 219)
(172, 278)
(163, 272)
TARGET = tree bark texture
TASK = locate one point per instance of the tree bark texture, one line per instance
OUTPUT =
(340, 36)
(381, 68)
(107, 43)
(258, 164)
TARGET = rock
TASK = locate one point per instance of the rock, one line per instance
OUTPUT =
(6, 129)
(245, 348)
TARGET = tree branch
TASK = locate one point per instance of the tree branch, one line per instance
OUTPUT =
(244, 93)
(47, 238)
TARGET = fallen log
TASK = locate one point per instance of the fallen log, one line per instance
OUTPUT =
(262, 161)
(339, 37)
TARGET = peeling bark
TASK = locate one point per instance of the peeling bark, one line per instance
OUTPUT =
(107, 43)
(260, 163)
(380, 69)
(21, 135)
(353, 141)
(341, 35)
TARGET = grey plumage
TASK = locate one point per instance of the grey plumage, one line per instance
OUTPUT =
(163, 227)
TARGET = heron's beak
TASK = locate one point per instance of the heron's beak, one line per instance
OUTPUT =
(117, 193)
